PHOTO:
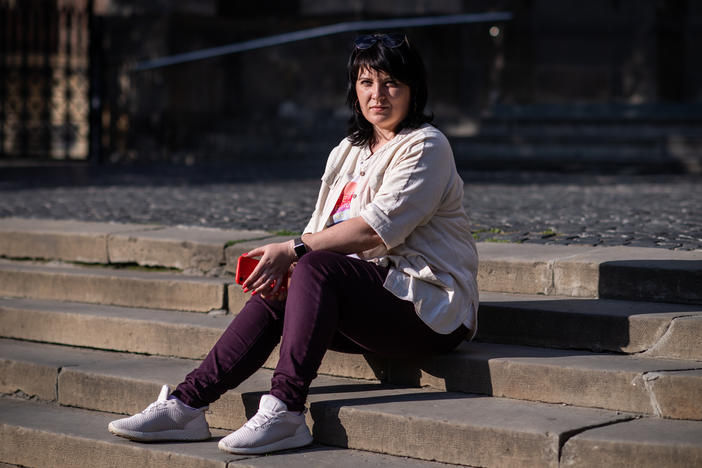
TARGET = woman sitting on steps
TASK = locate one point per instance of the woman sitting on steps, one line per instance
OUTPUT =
(387, 265)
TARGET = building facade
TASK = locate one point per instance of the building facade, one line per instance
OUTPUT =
(68, 89)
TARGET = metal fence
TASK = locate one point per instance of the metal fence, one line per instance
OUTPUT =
(44, 79)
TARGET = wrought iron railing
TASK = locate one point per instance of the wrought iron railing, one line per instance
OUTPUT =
(44, 79)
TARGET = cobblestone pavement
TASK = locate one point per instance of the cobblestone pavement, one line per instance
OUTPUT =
(648, 211)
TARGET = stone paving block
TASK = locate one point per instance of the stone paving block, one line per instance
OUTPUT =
(682, 340)
(75, 241)
(150, 331)
(540, 374)
(634, 273)
(586, 323)
(517, 268)
(642, 443)
(193, 249)
(676, 394)
(111, 286)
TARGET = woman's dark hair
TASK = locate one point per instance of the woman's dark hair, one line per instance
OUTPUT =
(402, 63)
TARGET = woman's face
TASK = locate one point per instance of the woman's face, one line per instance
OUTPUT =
(384, 101)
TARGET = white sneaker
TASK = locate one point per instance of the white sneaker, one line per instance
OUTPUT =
(164, 419)
(272, 428)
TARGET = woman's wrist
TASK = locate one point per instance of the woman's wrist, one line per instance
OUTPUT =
(291, 250)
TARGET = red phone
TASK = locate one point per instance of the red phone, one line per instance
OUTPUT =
(244, 267)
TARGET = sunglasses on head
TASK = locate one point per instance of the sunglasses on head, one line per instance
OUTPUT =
(389, 40)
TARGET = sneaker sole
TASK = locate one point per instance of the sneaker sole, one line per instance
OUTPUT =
(175, 434)
(295, 441)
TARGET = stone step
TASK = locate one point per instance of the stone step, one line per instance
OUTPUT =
(657, 386)
(184, 248)
(561, 149)
(645, 274)
(414, 422)
(111, 286)
(665, 330)
(631, 273)
(605, 114)
(135, 330)
(619, 132)
(37, 434)
(655, 329)
(190, 249)
(121, 382)
(640, 443)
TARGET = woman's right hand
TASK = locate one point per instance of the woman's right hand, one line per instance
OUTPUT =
(267, 277)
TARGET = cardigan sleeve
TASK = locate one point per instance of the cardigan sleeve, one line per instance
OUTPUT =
(412, 189)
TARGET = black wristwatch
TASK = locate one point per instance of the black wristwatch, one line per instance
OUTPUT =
(299, 247)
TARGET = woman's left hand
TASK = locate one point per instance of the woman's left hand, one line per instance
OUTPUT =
(267, 277)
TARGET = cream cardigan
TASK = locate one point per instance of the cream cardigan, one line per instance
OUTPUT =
(410, 193)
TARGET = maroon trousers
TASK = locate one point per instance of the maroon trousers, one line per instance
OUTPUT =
(334, 302)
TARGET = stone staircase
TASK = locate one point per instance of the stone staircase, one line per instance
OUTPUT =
(585, 357)
(596, 137)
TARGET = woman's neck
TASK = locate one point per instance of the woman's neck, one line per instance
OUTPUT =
(381, 138)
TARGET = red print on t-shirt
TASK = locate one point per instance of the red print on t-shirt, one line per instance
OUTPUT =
(341, 208)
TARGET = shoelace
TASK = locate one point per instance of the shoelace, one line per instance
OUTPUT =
(261, 419)
(155, 405)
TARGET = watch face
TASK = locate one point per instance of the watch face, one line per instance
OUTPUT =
(299, 248)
